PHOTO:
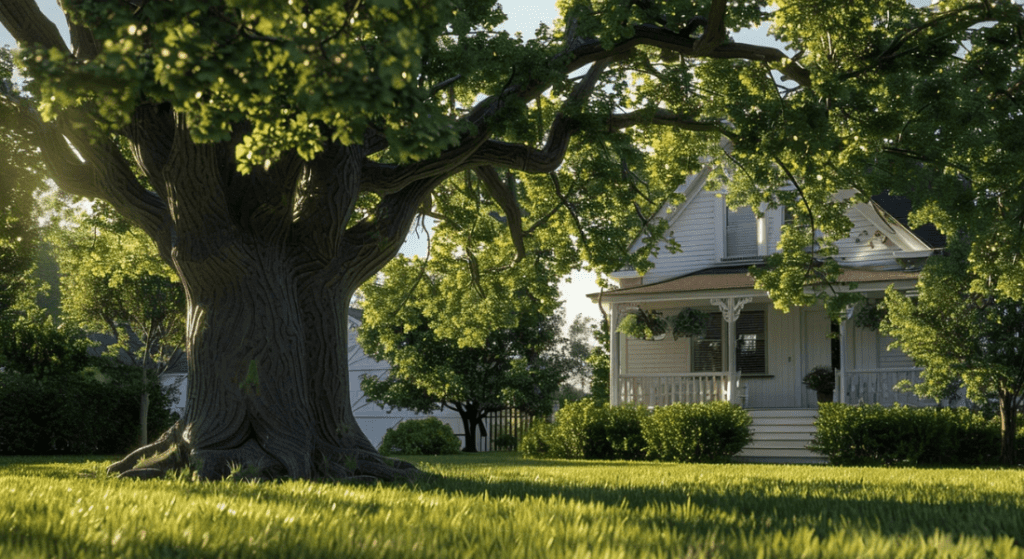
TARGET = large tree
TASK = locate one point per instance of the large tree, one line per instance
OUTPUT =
(515, 367)
(288, 151)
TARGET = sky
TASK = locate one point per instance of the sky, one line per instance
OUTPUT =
(523, 16)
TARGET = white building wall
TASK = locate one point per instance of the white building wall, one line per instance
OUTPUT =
(695, 230)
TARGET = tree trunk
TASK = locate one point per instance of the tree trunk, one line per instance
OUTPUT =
(144, 416)
(1008, 415)
(471, 419)
(268, 382)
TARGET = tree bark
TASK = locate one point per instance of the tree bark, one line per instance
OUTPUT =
(268, 392)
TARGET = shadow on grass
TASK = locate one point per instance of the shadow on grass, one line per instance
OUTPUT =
(770, 503)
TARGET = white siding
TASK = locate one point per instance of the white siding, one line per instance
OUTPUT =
(695, 230)
(667, 356)
(373, 419)
(866, 246)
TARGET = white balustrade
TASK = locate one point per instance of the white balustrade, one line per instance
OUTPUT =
(871, 386)
(662, 390)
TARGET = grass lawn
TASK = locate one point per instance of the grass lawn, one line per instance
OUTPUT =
(500, 505)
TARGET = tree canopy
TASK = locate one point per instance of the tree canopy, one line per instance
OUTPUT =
(21, 176)
(405, 315)
(278, 155)
(966, 337)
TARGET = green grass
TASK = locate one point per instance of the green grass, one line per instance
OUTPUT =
(499, 505)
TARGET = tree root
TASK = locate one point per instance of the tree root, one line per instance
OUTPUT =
(251, 461)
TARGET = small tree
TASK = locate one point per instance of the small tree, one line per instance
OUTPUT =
(600, 363)
(113, 282)
(963, 332)
(514, 368)
(575, 350)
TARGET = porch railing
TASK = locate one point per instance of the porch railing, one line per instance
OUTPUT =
(662, 390)
(870, 386)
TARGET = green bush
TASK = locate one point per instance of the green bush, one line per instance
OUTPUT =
(706, 432)
(585, 430)
(420, 436)
(875, 435)
(536, 442)
(92, 411)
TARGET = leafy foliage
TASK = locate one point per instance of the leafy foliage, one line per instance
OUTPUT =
(712, 432)
(55, 399)
(21, 176)
(902, 435)
(584, 429)
(405, 318)
(643, 325)
(965, 332)
(821, 379)
(420, 436)
(600, 361)
(705, 432)
(689, 323)
(113, 281)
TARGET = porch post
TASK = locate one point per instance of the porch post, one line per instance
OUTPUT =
(613, 357)
(731, 308)
(841, 384)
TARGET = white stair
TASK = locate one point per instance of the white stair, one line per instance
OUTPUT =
(781, 436)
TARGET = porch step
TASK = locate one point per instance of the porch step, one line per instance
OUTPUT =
(781, 436)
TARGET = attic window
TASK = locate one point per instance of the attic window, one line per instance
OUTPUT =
(740, 233)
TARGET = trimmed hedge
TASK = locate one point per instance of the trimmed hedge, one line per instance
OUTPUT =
(586, 430)
(902, 435)
(706, 432)
(94, 411)
(684, 433)
(420, 436)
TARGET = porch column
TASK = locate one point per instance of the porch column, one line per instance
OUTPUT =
(731, 308)
(841, 384)
(613, 357)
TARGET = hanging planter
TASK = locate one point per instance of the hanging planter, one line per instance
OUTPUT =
(644, 325)
(689, 323)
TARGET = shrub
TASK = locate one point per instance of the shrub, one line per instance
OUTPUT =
(585, 430)
(537, 440)
(92, 411)
(706, 432)
(504, 441)
(420, 436)
(875, 435)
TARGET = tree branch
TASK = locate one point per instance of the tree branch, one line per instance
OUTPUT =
(714, 30)
(504, 193)
(29, 26)
(664, 117)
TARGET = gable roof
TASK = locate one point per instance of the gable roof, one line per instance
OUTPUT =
(899, 208)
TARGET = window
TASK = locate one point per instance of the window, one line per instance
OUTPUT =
(750, 343)
(710, 349)
(707, 349)
(740, 233)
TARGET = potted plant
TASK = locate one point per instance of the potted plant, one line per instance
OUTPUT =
(822, 380)
(644, 325)
(689, 323)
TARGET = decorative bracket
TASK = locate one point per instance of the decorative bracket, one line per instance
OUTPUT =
(731, 307)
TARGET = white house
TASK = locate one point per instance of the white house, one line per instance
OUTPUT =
(752, 354)
(372, 419)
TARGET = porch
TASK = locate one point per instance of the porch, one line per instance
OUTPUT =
(861, 386)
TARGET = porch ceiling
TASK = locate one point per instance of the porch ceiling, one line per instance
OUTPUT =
(738, 279)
